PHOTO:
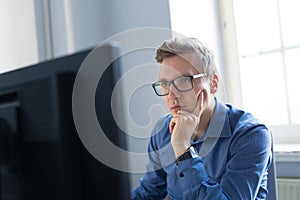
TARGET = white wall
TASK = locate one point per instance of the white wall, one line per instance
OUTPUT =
(80, 24)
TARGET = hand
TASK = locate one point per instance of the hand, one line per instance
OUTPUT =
(183, 125)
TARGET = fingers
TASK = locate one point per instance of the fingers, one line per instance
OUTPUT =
(189, 117)
(182, 117)
(172, 126)
(199, 104)
(175, 119)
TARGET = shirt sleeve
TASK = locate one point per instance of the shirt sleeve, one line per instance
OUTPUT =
(153, 184)
(250, 156)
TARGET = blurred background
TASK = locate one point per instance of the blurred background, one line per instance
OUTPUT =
(256, 43)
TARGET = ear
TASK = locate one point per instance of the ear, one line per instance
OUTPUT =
(214, 84)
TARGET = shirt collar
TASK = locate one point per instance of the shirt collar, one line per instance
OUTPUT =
(218, 126)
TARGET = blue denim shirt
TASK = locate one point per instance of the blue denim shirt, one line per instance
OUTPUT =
(232, 162)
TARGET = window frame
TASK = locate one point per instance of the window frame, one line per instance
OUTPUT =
(283, 134)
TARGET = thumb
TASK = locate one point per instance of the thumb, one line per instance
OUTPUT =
(201, 102)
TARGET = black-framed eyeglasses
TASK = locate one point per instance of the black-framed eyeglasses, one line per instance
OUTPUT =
(182, 84)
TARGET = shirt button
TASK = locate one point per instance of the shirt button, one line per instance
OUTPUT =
(181, 174)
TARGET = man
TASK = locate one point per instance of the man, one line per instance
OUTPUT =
(203, 149)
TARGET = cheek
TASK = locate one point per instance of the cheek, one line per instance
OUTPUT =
(201, 86)
(190, 99)
(165, 99)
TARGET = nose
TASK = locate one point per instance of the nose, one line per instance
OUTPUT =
(173, 92)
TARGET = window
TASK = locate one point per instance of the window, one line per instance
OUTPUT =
(194, 18)
(18, 37)
(259, 47)
(268, 45)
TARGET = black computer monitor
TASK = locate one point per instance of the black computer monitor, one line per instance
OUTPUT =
(42, 156)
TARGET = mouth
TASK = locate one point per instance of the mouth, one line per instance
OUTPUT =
(175, 108)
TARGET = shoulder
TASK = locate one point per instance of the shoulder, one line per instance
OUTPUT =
(245, 124)
(160, 134)
(250, 136)
(242, 121)
(161, 124)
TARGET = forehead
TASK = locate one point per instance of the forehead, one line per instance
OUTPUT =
(183, 64)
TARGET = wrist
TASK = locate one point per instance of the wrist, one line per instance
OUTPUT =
(189, 153)
(180, 146)
(180, 149)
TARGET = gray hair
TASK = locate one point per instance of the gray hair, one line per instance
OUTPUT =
(177, 46)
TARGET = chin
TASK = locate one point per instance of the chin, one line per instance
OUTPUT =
(172, 112)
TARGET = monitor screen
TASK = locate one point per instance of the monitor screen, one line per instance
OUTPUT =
(42, 156)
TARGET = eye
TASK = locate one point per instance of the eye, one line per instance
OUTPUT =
(164, 84)
(183, 80)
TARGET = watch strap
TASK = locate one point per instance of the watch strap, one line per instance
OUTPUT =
(186, 155)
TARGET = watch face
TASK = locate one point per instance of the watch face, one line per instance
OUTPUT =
(193, 152)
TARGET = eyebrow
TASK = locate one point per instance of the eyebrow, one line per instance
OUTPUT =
(182, 75)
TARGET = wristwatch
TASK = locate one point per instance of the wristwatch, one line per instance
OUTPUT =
(189, 153)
